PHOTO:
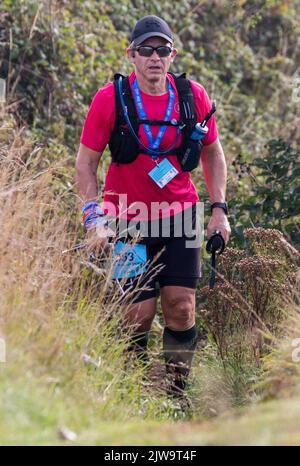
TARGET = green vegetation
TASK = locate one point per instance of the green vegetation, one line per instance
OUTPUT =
(66, 367)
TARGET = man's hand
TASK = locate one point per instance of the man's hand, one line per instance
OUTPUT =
(97, 239)
(219, 221)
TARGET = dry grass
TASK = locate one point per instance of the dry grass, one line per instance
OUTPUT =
(57, 319)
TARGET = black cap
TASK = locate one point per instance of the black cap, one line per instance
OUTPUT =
(150, 26)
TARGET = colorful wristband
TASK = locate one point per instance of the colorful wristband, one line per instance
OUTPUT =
(93, 215)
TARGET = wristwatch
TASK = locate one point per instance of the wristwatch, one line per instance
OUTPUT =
(220, 205)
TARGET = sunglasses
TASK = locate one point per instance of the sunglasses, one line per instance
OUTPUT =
(147, 50)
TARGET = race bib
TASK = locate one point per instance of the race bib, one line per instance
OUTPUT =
(129, 260)
(163, 173)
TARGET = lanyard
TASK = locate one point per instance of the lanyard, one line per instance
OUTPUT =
(154, 144)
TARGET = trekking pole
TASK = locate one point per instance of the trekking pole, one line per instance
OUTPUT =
(77, 247)
(215, 246)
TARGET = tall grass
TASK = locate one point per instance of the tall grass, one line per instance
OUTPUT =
(62, 331)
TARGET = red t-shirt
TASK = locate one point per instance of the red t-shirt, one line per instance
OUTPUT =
(129, 191)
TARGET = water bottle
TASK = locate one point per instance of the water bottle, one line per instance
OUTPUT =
(199, 132)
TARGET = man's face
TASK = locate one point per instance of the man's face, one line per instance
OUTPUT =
(153, 68)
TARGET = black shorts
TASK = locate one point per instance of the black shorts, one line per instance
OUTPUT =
(171, 260)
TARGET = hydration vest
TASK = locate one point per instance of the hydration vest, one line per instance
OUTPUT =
(123, 145)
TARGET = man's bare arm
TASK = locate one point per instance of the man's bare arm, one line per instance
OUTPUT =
(214, 171)
(215, 175)
(87, 163)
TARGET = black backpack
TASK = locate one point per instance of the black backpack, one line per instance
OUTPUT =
(123, 145)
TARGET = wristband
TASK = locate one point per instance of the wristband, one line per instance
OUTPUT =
(93, 215)
(92, 205)
(96, 223)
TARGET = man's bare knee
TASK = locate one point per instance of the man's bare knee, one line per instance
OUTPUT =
(179, 310)
(140, 315)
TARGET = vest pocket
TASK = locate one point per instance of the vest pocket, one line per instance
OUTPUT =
(123, 147)
(190, 155)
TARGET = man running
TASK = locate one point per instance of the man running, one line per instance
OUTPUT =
(149, 121)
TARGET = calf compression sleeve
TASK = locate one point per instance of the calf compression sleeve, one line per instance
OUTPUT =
(178, 348)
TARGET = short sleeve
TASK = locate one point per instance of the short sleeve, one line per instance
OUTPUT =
(100, 119)
(203, 106)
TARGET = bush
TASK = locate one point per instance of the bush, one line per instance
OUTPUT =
(245, 309)
(274, 183)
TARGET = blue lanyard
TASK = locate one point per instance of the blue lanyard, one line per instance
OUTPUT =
(153, 144)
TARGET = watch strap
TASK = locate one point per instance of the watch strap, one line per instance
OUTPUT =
(220, 205)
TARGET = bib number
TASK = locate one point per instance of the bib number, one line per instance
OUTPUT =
(129, 260)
